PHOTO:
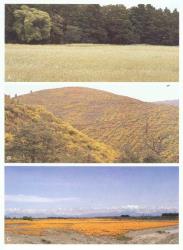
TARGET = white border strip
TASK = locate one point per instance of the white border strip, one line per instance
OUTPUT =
(40, 247)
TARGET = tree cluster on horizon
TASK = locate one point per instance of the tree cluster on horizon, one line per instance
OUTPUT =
(90, 23)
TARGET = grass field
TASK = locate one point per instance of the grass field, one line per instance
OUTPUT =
(96, 227)
(91, 63)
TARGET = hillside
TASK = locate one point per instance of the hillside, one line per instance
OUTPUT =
(35, 135)
(138, 131)
(169, 102)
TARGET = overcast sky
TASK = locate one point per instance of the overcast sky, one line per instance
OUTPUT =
(142, 91)
(54, 191)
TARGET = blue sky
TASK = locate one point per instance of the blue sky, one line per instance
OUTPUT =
(82, 191)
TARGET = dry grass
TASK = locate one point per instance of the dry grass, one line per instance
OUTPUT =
(96, 227)
(86, 62)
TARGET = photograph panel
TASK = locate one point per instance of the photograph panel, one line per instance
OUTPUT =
(92, 42)
(92, 205)
(124, 123)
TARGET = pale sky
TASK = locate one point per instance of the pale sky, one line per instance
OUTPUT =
(90, 191)
(149, 92)
(171, 4)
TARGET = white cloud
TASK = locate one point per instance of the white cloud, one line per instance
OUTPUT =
(36, 199)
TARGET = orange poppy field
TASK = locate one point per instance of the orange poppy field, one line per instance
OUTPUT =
(91, 226)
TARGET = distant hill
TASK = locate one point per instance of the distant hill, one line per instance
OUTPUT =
(169, 102)
(36, 135)
(138, 131)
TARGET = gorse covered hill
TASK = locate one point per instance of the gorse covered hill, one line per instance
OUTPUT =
(137, 131)
(36, 135)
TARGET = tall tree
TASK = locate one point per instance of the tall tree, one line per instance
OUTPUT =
(118, 26)
(57, 29)
(10, 34)
(31, 24)
(91, 23)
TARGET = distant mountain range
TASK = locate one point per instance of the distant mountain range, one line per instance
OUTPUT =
(170, 102)
(115, 128)
(43, 213)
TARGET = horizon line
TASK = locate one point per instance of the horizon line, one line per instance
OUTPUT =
(83, 87)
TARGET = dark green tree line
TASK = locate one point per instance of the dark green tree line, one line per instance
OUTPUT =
(92, 23)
